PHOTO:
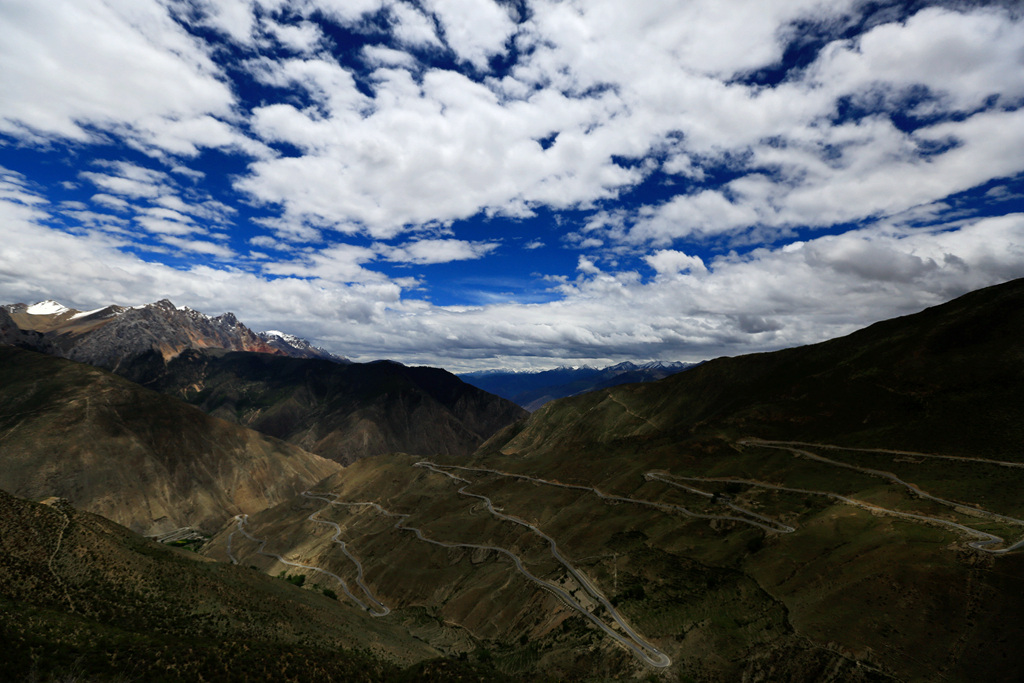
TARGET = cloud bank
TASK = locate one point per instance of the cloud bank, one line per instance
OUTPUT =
(678, 180)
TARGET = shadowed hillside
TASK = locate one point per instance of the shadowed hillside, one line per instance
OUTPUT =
(948, 378)
(140, 458)
(85, 599)
(342, 412)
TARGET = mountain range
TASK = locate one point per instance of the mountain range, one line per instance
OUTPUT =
(845, 511)
(273, 382)
(532, 389)
(109, 336)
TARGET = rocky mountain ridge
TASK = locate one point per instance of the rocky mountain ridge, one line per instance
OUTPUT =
(339, 411)
(111, 336)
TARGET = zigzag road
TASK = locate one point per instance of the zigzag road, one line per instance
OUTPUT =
(379, 611)
(631, 640)
(765, 523)
(987, 539)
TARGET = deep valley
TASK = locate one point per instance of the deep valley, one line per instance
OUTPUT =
(845, 511)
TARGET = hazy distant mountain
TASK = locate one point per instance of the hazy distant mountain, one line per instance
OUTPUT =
(110, 336)
(531, 390)
(135, 456)
(340, 411)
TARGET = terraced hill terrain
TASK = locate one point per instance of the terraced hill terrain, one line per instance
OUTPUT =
(843, 511)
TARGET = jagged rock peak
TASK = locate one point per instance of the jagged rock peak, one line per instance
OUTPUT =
(113, 335)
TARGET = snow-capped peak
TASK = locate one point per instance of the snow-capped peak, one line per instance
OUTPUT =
(48, 307)
(290, 338)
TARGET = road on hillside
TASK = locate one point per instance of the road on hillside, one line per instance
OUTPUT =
(986, 539)
(765, 523)
(380, 608)
(632, 640)
(241, 521)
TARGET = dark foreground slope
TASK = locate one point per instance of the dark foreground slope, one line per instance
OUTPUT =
(880, 547)
(82, 598)
(342, 412)
(143, 459)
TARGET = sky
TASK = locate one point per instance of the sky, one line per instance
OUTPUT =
(475, 184)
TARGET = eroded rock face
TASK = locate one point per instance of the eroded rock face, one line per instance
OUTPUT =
(113, 336)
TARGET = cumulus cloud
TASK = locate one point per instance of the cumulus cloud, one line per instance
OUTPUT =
(474, 29)
(766, 299)
(412, 27)
(662, 142)
(70, 65)
(437, 251)
(672, 262)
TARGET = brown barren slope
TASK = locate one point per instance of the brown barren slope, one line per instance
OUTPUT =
(140, 458)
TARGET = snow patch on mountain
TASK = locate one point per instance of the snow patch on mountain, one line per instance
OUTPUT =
(48, 307)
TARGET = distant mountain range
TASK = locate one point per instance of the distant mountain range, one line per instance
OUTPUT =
(110, 336)
(532, 389)
(273, 382)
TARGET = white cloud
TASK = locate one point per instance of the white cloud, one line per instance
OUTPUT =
(339, 263)
(429, 251)
(124, 186)
(963, 58)
(199, 246)
(303, 37)
(475, 29)
(767, 299)
(603, 92)
(378, 56)
(121, 65)
(672, 262)
(109, 201)
(233, 18)
(412, 27)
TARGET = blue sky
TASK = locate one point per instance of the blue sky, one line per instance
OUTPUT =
(476, 184)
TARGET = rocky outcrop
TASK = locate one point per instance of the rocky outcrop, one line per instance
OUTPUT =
(113, 336)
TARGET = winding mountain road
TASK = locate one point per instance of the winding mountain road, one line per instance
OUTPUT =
(889, 451)
(765, 523)
(631, 640)
(987, 539)
(381, 609)
(241, 521)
